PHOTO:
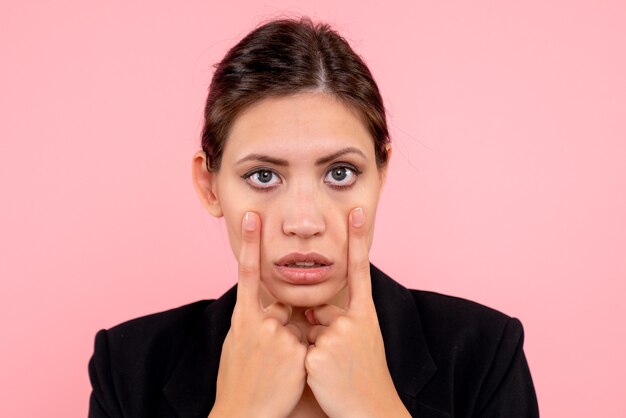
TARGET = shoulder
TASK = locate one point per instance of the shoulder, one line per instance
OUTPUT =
(452, 314)
(162, 333)
(450, 325)
(138, 354)
(463, 326)
(443, 318)
(478, 352)
(157, 328)
(470, 358)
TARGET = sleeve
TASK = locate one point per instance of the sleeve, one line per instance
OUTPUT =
(103, 402)
(508, 389)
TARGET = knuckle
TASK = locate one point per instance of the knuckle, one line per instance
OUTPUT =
(278, 315)
(247, 269)
(323, 341)
(291, 342)
(249, 237)
(311, 359)
(278, 309)
(314, 359)
(343, 323)
(360, 265)
(301, 351)
(359, 231)
(270, 325)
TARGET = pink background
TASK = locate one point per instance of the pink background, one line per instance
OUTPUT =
(507, 186)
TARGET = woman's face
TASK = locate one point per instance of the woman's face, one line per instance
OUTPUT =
(302, 162)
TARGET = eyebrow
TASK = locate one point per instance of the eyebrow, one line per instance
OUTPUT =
(319, 161)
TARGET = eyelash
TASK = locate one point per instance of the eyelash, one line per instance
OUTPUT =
(355, 171)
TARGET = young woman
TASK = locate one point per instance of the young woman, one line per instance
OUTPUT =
(295, 150)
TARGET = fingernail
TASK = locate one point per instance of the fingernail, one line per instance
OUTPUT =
(357, 217)
(308, 316)
(249, 221)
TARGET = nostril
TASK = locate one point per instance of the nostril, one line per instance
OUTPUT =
(303, 227)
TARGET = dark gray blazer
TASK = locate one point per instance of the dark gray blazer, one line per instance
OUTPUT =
(448, 357)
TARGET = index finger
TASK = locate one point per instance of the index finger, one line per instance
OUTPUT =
(249, 263)
(359, 280)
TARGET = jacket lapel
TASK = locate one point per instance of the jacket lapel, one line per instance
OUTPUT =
(408, 359)
(190, 390)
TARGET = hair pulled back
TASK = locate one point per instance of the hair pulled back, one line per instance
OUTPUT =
(284, 57)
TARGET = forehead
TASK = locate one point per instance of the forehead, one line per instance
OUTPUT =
(304, 123)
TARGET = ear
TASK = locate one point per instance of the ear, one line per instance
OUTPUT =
(204, 181)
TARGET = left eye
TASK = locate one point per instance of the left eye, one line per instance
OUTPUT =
(341, 176)
(262, 179)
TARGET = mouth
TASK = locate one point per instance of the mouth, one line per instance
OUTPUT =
(301, 269)
(300, 260)
(304, 264)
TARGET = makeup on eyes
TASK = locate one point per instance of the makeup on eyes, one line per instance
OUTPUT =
(267, 173)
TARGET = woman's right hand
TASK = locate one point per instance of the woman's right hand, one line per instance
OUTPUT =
(261, 371)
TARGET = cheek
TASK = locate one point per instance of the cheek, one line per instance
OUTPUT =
(342, 205)
(370, 225)
(336, 208)
(234, 236)
(233, 217)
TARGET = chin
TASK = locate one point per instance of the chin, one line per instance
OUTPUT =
(305, 295)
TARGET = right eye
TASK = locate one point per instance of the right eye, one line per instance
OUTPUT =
(262, 179)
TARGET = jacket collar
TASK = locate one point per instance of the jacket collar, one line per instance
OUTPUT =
(190, 389)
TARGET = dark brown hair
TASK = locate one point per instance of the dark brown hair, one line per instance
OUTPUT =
(284, 57)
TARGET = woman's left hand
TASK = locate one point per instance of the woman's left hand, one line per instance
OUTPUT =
(346, 364)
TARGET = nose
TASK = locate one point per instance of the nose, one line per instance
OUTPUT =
(303, 215)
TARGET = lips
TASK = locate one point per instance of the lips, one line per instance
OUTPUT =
(304, 269)
(304, 260)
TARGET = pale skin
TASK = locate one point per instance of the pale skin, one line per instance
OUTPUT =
(300, 350)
